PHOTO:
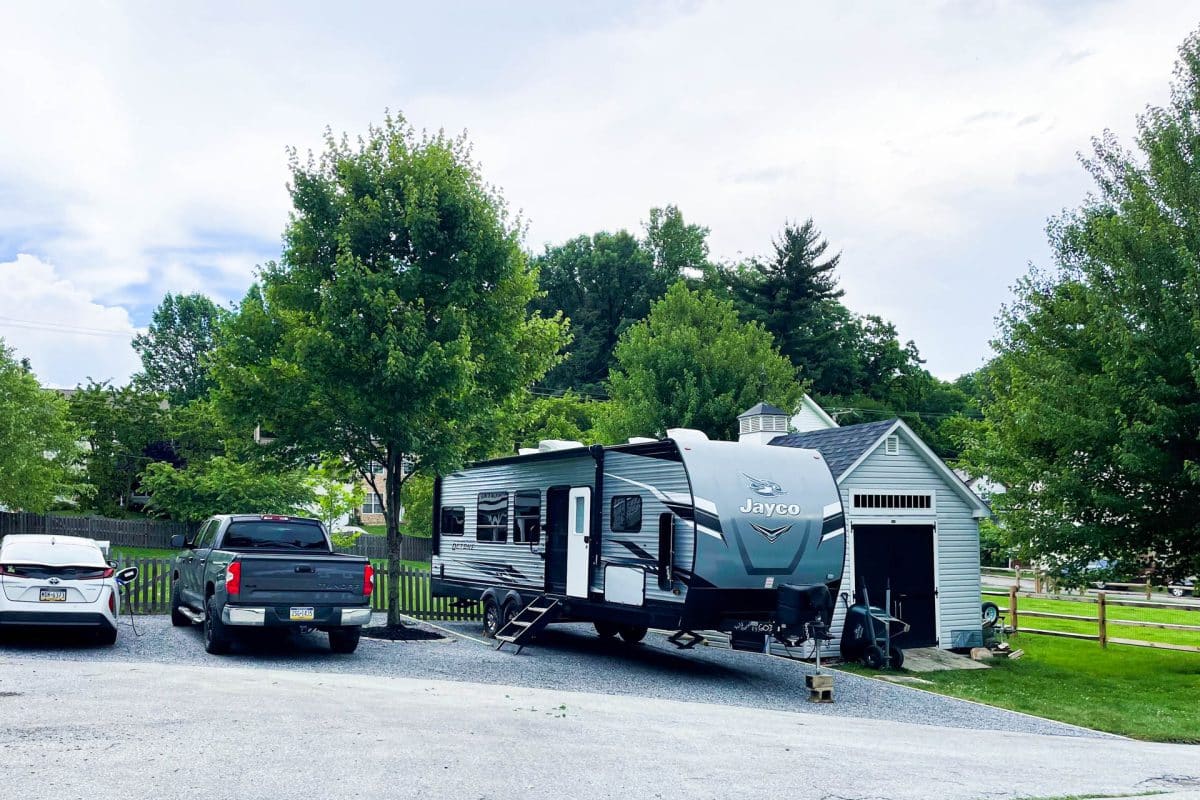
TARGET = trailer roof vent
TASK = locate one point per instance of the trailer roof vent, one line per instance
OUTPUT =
(686, 435)
(641, 440)
(549, 445)
(527, 451)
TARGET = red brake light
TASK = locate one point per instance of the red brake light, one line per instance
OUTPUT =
(368, 580)
(112, 602)
(107, 572)
(233, 578)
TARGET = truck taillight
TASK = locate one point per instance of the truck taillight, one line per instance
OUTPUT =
(368, 579)
(233, 578)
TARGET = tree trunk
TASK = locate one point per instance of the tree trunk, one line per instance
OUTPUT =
(395, 540)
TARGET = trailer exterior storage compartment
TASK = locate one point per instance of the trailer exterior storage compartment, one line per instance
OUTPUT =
(683, 534)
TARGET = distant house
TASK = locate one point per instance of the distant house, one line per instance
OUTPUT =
(912, 523)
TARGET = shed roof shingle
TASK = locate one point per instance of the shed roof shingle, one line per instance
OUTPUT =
(840, 447)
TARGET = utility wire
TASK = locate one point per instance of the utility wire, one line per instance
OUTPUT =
(56, 327)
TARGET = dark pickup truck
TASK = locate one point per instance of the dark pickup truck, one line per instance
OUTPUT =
(268, 571)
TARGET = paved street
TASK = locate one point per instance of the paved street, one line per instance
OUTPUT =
(569, 657)
(76, 729)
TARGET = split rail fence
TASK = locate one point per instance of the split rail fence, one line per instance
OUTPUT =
(151, 592)
(1169, 618)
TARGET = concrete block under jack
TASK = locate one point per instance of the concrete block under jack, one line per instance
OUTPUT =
(820, 688)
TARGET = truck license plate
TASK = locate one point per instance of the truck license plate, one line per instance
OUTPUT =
(52, 595)
(302, 614)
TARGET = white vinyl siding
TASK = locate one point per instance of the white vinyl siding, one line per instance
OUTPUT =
(956, 536)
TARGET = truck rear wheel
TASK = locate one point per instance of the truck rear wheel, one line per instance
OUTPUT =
(632, 634)
(216, 635)
(344, 640)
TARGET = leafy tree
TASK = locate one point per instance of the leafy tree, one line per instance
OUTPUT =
(1093, 404)
(534, 418)
(395, 327)
(38, 443)
(183, 331)
(603, 283)
(224, 486)
(338, 492)
(124, 429)
(676, 247)
(791, 294)
(693, 363)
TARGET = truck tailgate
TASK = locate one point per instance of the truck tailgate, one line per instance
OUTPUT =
(286, 579)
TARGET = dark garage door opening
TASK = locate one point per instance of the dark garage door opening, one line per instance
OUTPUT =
(903, 555)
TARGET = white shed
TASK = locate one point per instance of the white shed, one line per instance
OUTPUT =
(911, 524)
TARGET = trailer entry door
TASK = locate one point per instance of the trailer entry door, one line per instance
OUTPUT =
(579, 540)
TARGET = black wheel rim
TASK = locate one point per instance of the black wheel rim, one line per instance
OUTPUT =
(491, 618)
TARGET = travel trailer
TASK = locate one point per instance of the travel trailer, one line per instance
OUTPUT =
(683, 534)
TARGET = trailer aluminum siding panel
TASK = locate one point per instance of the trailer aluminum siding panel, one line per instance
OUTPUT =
(956, 535)
(503, 563)
(628, 474)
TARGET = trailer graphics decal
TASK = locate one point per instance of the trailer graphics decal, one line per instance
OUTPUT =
(763, 487)
(771, 534)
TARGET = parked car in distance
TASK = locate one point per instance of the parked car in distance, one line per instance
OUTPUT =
(61, 582)
(1183, 587)
(269, 571)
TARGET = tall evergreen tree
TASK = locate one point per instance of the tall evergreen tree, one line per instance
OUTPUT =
(792, 294)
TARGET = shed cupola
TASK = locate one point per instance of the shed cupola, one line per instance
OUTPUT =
(762, 423)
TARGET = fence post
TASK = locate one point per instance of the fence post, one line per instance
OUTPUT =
(1037, 582)
(1102, 619)
(1012, 607)
(1148, 587)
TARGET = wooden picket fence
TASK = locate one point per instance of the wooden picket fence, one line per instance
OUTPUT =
(1101, 619)
(118, 532)
(151, 592)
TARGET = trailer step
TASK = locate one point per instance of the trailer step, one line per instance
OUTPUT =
(528, 622)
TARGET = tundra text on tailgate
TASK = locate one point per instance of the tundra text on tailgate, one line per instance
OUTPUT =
(265, 570)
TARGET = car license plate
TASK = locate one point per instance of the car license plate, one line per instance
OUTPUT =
(304, 614)
(52, 595)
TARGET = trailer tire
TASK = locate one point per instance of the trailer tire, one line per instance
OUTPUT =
(897, 658)
(509, 611)
(872, 657)
(491, 617)
(632, 634)
(606, 630)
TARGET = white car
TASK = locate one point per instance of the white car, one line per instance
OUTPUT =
(60, 582)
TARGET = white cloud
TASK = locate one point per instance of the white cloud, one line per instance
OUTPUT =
(930, 141)
(65, 334)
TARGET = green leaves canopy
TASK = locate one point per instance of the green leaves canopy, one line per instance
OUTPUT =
(1093, 416)
(692, 363)
(182, 333)
(38, 443)
(224, 486)
(395, 326)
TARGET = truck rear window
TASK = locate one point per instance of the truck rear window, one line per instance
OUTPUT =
(275, 534)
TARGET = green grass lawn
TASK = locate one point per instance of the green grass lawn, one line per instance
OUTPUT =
(1133, 691)
(142, 552)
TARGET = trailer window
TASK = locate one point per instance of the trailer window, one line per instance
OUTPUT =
(491, 522)
(528, 511)
(454, 520)
(626, 513)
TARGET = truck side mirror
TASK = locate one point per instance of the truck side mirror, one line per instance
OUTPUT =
(177, 541)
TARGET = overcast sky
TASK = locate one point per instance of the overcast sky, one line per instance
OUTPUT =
(142, 145)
